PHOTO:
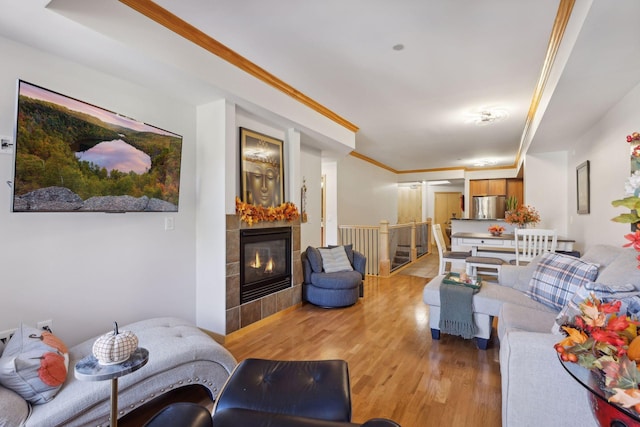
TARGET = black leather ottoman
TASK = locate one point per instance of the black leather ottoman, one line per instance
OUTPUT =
(272, 393)
(314, 389)
(181, 414)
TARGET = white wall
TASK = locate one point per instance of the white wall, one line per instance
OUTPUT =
(85, 270)
(311, 169)
(367, 193)
(216, 137)
(330, 172)
(605, 146)
(545, 176)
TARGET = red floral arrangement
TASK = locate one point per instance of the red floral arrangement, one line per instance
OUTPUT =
(252, 214)
(602, 339)
(631, 200)
(635, 136)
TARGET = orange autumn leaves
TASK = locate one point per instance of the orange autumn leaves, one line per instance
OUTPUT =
(252, 214)
(496, 229)
(602, 339)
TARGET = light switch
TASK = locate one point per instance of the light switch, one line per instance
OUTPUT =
(168, 223)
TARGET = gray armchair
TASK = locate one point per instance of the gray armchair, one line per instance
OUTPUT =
(335, 289)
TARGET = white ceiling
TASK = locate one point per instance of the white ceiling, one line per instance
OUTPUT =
(411, 106)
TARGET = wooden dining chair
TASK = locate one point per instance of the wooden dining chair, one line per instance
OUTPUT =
(530, 242)
(484, 266)
(446, 256)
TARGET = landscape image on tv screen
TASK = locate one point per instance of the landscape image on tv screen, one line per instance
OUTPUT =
(74, 156)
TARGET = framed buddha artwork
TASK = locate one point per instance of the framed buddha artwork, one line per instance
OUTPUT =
(261, 169)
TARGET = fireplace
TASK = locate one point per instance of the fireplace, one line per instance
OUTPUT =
(265, 262)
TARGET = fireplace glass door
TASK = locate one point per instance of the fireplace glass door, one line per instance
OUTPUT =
(265, 262)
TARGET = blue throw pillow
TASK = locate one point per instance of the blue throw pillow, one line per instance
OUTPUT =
(315, 259)
(557, 277)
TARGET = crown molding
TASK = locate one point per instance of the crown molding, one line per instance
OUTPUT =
(182, 28)
(443, 169)
(373, 162)
(557, 33)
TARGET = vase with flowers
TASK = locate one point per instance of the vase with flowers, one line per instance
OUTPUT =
(496, 230)
(604, 339)
(523, 217)
(631, 201)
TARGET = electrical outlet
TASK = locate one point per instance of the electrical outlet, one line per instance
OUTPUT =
(6, 145)
(45, 324)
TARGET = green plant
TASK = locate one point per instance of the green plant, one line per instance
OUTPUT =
(631, 201)
(512, 203)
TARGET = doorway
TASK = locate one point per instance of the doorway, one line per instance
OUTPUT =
(409, 203)
(446, 205)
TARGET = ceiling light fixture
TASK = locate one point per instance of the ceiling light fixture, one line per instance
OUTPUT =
(398, 46)
(487, 116)
(485, 162)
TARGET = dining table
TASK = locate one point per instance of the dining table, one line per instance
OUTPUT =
(500, 246)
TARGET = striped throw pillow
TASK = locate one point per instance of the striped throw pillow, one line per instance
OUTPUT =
(557, 277)
(335, 260)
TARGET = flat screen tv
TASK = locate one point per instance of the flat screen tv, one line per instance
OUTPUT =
(71, 156)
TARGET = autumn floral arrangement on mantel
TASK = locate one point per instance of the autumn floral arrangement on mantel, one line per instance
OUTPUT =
(523, 216)
(606, 341)
(252, 214)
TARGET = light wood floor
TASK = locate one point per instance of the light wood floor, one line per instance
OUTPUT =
(396, 370)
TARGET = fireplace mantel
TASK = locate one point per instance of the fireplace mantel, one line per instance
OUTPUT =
(241, 315)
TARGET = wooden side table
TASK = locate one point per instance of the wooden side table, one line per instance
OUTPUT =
(89, 369)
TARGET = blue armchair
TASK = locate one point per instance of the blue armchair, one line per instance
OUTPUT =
(332, 289)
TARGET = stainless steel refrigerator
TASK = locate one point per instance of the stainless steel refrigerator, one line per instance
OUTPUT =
(488, 207)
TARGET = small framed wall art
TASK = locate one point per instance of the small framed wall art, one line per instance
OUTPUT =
(261, 169)
(582, 180)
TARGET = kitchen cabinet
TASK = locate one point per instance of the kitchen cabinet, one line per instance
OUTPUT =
(497, 187)
(515, 189)
(488, 187)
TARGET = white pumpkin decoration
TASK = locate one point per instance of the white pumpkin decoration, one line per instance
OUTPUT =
(115, 347)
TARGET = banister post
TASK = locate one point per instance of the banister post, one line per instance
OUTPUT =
(414, 250)
(429, 236)
(384, 263)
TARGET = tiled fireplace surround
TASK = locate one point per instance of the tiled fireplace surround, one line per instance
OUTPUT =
(240, 315)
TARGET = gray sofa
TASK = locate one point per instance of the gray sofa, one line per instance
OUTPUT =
(180, 355)
(536, 390)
